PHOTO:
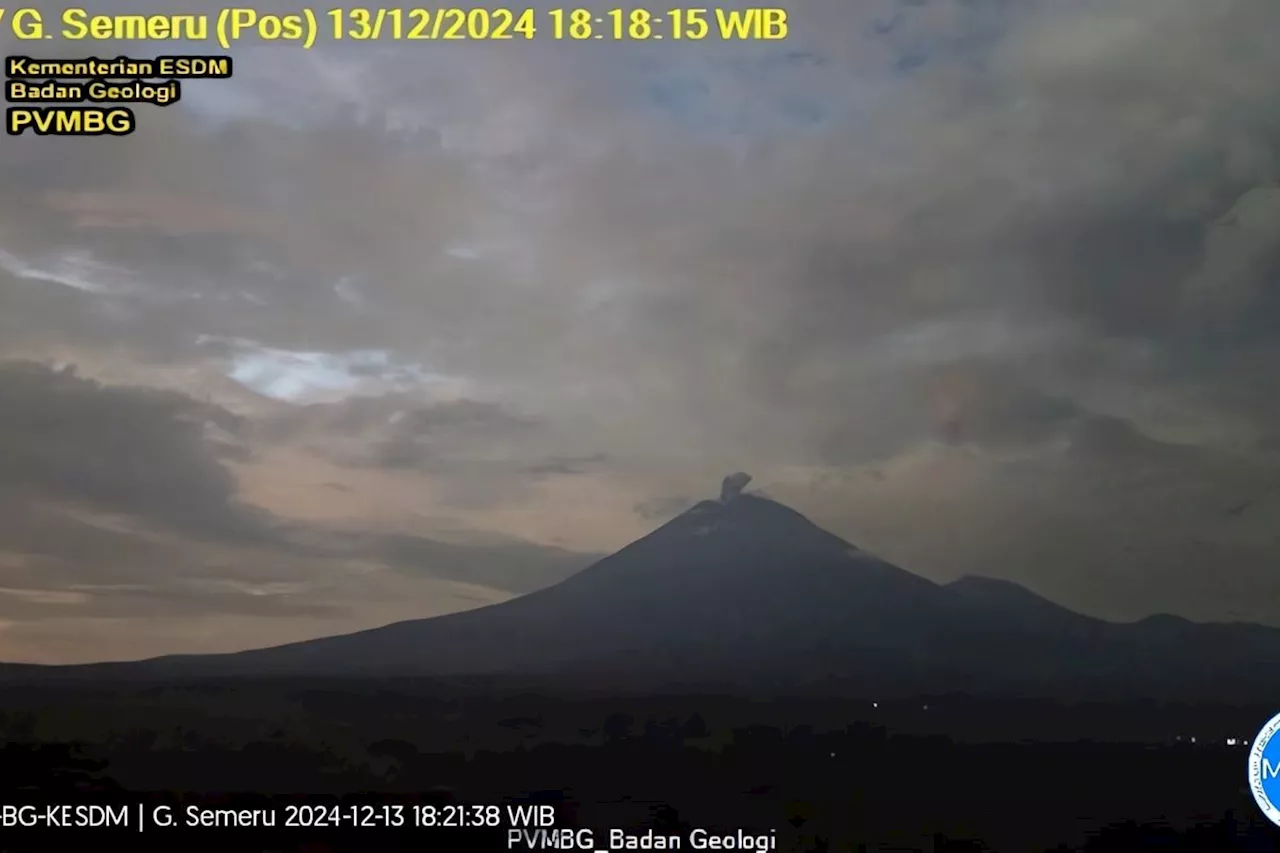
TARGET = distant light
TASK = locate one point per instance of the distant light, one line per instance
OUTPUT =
(1193, 740)
(1231, 741)
(833, 755)
(1245, 743)
(925, 707)
(875, 704)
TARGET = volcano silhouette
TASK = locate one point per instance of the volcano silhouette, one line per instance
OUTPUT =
(748, 592)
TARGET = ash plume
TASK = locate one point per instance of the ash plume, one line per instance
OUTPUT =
(733, 486)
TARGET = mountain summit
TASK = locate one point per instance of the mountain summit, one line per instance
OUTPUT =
(744, 583)
(748, 591)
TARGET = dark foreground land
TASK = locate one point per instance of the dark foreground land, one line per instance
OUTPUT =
(932, 773)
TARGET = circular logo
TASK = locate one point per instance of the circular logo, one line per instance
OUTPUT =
(1264, 770)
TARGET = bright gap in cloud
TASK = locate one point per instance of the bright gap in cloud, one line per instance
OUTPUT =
(311, 376)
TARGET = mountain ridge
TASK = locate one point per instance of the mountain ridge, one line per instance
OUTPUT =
(748, 591)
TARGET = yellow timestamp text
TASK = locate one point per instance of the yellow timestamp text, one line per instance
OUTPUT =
(691, 24)
(308, 26)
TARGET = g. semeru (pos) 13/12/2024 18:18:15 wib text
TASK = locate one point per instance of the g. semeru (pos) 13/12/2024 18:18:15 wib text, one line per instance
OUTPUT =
(308, 27)
(45, 93)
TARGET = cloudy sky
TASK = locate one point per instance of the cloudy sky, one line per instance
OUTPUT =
(374, 332)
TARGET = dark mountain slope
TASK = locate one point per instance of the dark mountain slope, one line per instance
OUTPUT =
(749, 580)
(747, 591)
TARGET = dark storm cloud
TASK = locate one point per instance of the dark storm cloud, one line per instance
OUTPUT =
(1053, 163)
(1063, 183)
(133, 451)
(117, 502)
(60, 560)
